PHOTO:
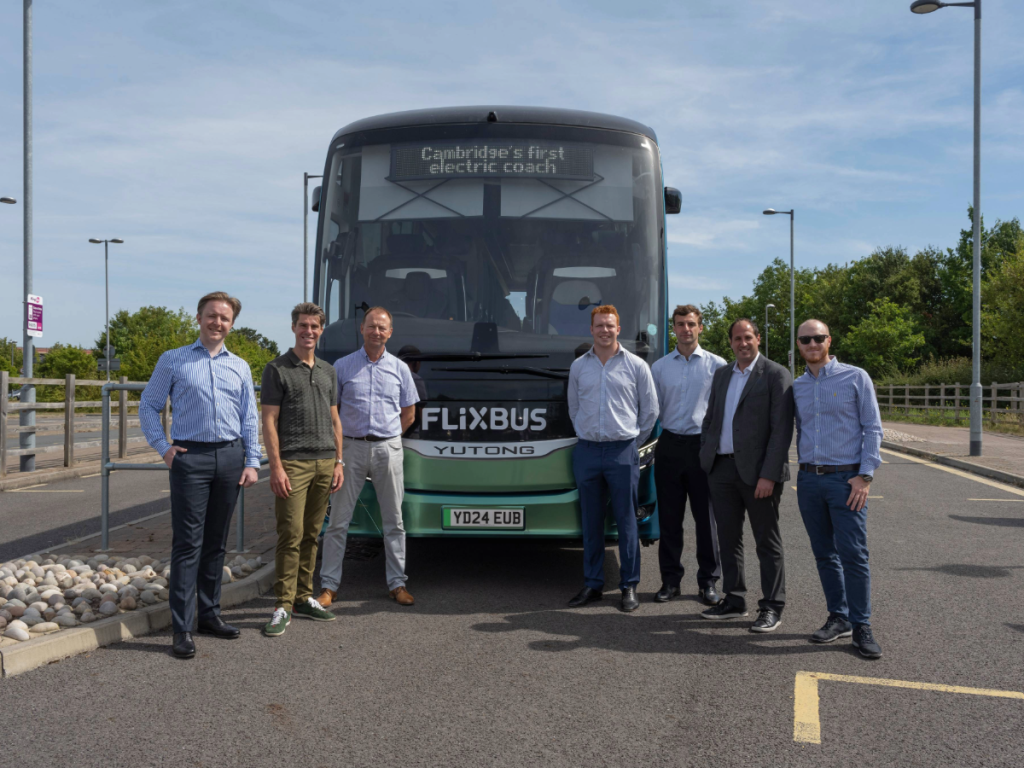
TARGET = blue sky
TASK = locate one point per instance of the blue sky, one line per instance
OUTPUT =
(185, 127)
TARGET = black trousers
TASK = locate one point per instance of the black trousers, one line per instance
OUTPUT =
(678, 475)
(732, 498)
(204, 489)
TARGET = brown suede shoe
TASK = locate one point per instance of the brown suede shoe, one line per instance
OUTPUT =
(401, 596)
(326, 598)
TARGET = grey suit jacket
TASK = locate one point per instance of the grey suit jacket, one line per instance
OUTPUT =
(762, 425)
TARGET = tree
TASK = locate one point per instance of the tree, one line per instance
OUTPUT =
(60, 361)
(1003, 309)
(884, 342)
(8, 351)
(139, 338)
(242, 342)
(258, 339)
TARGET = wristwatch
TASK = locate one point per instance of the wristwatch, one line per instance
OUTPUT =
(866, 478)
(339, 461)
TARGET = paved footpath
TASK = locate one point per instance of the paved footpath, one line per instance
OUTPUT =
(1002, 452)
(490, 668)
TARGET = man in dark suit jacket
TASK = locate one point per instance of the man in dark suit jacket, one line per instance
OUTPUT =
(745, 442)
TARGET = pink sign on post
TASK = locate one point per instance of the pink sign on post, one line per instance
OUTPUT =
(34, 315)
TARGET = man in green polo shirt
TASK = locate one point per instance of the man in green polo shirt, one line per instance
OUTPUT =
(302, 432)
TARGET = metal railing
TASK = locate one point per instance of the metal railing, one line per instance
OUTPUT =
(106, 465)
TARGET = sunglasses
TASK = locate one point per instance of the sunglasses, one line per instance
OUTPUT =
(820, 338)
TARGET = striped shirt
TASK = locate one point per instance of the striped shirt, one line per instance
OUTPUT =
(212, 397)
(371, 395)
(684, 386)
(837, 418)
(614, 401)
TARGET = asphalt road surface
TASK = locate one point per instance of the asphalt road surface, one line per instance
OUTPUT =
(491, 668)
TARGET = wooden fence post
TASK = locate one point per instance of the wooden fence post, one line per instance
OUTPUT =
(4, 385)
(122, 421)
(992, 410)
(942, 401)
(69, 420)
(956, 403)
(906, 399)
(927, 398)
(890, 400)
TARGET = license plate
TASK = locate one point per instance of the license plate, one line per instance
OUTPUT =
(455, 517)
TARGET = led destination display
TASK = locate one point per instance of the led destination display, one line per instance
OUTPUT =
(483, 159)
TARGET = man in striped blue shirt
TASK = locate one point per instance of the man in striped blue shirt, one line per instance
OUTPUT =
(216, 451)
(839, 433)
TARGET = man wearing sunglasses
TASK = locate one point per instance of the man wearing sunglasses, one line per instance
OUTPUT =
(839, 433)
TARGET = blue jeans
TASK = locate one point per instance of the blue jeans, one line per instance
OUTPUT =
(609, 471)
(839, 540)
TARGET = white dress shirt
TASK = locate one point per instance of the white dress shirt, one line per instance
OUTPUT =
(732, 399)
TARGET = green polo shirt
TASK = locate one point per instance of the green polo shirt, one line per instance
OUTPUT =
(305, 396)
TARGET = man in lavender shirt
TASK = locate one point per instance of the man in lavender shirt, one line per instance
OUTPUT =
(377, 402)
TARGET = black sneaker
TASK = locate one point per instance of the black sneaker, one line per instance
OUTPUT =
(767, 621)
(834, 628)
(724, 610)
(864, 642)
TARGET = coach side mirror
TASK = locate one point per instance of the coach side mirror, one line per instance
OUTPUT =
(673, 200)
(316, 200)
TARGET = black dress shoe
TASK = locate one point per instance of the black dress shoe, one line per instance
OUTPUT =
(709, 595)
(183, 646)
(666, 593)
(629, 601)
(218, 628)
(586, 595)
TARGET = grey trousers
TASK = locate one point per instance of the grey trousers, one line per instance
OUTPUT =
(382, 464)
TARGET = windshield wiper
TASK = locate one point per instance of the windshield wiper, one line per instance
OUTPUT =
(547, 373)
(458, 357)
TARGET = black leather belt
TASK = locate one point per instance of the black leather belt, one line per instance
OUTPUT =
(727, 456)
(677, 436)
(370, 438)
(819, 469)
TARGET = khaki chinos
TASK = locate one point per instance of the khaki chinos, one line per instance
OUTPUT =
(299, 519)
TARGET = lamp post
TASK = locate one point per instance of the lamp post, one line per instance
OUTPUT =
(106, 286)
(792, 291)
(928, 6)
(10, 201)
(305, 234)
(27, 418)
(770, 306)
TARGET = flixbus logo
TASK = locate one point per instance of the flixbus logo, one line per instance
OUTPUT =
(499, 419)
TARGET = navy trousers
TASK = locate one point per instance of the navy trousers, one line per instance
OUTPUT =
(204, 489)
(678, 475)
(839, 540)
(608, 472)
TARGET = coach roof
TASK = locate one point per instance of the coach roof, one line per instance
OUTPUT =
(505, 114)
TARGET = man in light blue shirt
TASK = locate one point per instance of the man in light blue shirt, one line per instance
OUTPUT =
(613, 406)
(683, 383)
(216, 451)
(839, 433)
(377, 402)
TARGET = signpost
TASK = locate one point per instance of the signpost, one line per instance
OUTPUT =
(34, 315)
(114, 365)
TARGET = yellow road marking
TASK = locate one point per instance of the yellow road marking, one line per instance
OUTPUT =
(794, 487)
(876, 497)
(806, 723)
(37, 485)
(961, 473)
(1008, 501)
(96, 475)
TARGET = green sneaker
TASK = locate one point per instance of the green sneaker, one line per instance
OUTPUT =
(311, 609)
(279, 621)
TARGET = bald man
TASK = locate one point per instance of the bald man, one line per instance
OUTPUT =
(839, 433)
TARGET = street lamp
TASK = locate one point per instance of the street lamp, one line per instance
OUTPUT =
(8, 200)
(106, 285)
(792, 291)
(770, 306)
(928, 6)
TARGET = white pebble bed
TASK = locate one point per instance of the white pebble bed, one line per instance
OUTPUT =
(894, 436)
(61, 592)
